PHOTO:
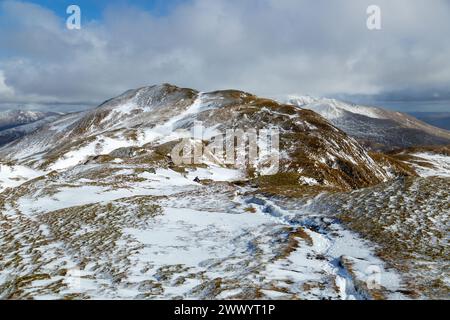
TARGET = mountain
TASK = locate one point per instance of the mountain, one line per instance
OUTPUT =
(95, 205)
(437, 119)
(14, 118)
(376, 128)
(17, 123)
(150, 117)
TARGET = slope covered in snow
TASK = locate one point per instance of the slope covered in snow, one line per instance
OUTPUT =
(153, 116)
(119, 231)
(376, 128)
(427, 161)
(93, 205)
(333, 109)
(408, 219)
(17, 123)
(13, 118)
(14, 175)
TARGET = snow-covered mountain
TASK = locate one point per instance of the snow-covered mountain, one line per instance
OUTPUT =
(376, 128)
(153, 116)
(17, 123)
(14, 118)
(93, 205)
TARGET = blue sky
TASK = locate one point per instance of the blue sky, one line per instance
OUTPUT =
(93, 9)
(267, 47)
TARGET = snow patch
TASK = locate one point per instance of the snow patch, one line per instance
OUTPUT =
(440, 165)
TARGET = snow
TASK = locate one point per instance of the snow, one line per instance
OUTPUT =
(214, 241)
(167, 131)
(300, 100)
(121, 110)
(176, 229)
(163, 182)
(331, 109)
(440, 165)
(101, 145)
(215, 173)
(201, 235)
(65, 122)
(319, 259)
(193, 239)
(14, 175)
(21, 116)
(308, 181)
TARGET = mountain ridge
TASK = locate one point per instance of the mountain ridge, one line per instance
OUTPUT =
(377, 128)
(93, 206)
(325, 156)
(15, 124)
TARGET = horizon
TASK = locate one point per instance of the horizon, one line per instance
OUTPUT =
(409, 107)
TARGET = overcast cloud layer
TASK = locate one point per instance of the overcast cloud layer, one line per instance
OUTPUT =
(269, 47)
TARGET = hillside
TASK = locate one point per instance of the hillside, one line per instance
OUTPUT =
(94, 206)
(312, 150)
(376, 128)
(15, 124)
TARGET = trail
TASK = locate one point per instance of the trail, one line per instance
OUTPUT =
(328, 247)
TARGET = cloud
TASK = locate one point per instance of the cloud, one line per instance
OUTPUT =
(264, 46)
(5, 90)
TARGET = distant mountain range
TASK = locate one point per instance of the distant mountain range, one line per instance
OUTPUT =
(17, 123)
(437, 119)
(376, 128)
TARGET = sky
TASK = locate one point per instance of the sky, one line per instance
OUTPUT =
(267, 47)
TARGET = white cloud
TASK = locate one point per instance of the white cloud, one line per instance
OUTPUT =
(5, 90)
(263, 46)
